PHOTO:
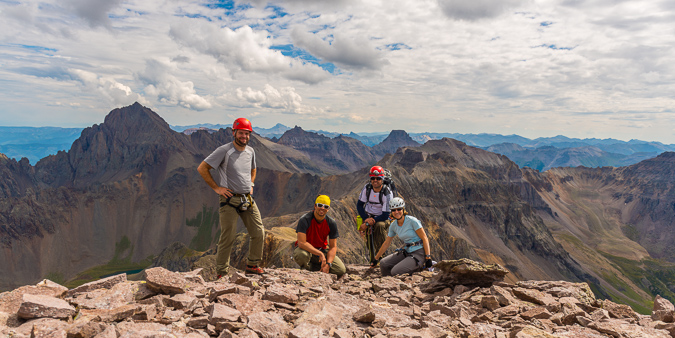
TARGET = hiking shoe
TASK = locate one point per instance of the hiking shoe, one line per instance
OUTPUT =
(254, 269)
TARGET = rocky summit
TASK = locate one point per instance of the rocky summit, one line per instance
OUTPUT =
(460, 298)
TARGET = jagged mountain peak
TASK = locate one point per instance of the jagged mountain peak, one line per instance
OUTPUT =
(398, 133)
(658, 169)
(130, 140)
(136, 121)
(297, 134)
(400, 137)
(395, 140)
(450, 152)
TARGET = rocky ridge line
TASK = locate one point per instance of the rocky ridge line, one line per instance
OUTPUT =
(296, 304)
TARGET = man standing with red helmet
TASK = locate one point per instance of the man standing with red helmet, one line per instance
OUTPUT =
(373, 207)
(236, 167)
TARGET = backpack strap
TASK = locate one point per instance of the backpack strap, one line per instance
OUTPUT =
(369, 188)
(385, 191)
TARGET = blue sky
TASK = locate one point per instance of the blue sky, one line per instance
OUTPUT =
(580, 68)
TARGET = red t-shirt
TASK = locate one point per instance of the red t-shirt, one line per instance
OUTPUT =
(317, 233)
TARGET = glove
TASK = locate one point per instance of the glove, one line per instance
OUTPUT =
(374, 262)
(428, 263)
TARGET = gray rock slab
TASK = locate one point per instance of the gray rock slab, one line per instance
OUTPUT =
(105, 283)
(37, 306)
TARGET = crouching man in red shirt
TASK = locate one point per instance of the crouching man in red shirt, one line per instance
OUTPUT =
(317, 240)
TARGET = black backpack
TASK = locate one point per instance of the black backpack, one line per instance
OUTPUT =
(387, 186)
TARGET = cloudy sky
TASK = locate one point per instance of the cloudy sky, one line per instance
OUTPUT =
(537, 68)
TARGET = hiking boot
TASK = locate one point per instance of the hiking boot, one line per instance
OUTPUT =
(254, 269)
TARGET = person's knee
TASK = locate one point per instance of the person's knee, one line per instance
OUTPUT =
(338, 267)
(339, 271)
(385, 268)
(257, 234)
(401, 269)
(301, 256)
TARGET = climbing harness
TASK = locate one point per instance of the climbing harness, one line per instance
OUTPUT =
(245, 202)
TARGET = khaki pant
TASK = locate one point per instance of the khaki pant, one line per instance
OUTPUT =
(305, 260)
(228, 231)
(380, 231)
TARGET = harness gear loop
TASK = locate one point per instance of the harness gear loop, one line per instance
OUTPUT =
(245, 202)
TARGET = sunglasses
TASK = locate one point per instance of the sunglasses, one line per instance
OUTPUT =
(376, 178)
(325, 206)
(399, 209)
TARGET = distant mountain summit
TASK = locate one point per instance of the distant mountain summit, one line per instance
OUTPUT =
(395, 140)
(131, 140)
(278, 128)
(546, 157)
(334, 155)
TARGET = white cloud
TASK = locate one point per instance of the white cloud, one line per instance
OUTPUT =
(477, 9)
(285, 99)
(542, 67)
(114, 92)
(243, 48)
(94, 12)
(168, 89)
(21, 12)
(301, 5)
(306, 72)
(351, 52)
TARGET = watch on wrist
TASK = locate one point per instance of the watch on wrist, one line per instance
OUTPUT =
(330, 265)
(253, 184)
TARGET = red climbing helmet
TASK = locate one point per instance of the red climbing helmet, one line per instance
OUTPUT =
(242, 123)
(376, 171)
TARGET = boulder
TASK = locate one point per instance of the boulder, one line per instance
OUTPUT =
(247, 305)
(281, 293)
(663, 310)
(102, 298)
(269, 325)
(105, 283)
(37, 306)
(307, 330)
(463, 272)
(165, 281)
(220, 314)
(181, 301)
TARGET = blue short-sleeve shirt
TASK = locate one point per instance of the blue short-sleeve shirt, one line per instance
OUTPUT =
(406, 232)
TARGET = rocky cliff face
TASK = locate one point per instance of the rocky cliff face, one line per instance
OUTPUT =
(130, 179)
(335, 156)
(617, 222)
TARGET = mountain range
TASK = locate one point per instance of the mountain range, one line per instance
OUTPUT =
(128, 188)
(540, 153)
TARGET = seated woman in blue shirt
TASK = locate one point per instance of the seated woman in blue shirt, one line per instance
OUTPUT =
(415, 254)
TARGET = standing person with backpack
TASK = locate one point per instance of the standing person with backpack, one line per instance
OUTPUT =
(373, 207)
(235, 163)
(415, 254)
